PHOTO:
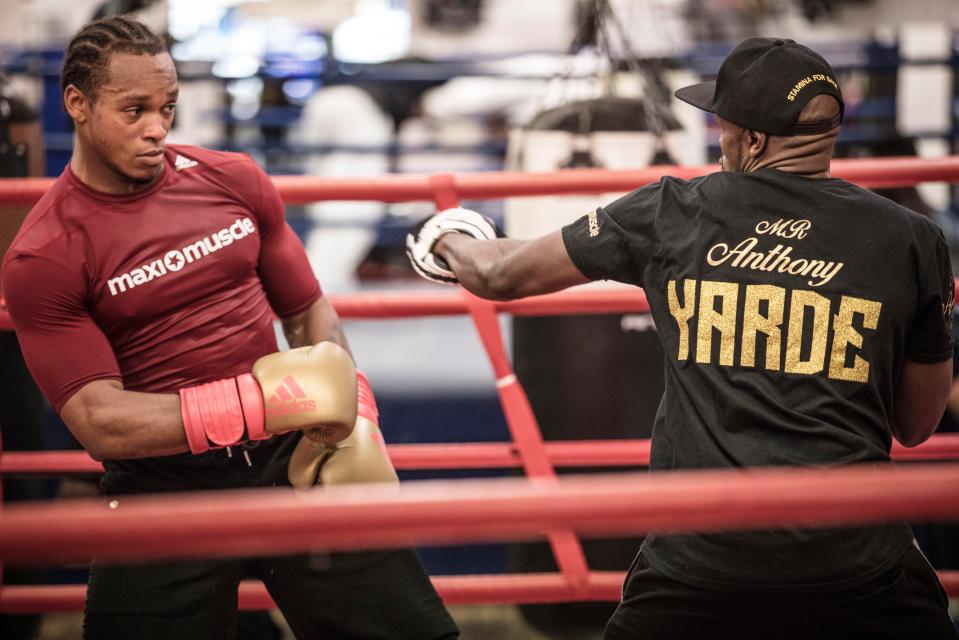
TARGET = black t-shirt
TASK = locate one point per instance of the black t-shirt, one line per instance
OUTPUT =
(786, 306)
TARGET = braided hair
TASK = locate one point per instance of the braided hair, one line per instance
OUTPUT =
(87, 58)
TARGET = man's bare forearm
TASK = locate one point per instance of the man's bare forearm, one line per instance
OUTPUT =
(506, 269)
(317, 324)
(478, 263)
(114, 424)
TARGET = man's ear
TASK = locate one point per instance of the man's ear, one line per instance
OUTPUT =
(77, 104)
(757, 142)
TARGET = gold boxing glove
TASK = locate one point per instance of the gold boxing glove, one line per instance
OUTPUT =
(361, 458)
(309, 389)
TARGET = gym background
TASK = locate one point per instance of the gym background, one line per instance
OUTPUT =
(353, 88)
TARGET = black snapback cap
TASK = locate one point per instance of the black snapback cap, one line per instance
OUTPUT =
(763, 85)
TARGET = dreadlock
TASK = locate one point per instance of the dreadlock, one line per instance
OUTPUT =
(88, 54)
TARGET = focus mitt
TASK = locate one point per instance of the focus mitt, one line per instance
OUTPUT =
(424, 236)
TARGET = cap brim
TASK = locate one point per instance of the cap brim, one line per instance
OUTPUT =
(699, 95)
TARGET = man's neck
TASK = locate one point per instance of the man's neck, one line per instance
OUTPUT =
(807, 156)
(96, 175)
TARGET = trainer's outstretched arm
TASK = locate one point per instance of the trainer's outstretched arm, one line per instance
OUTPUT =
(505, 268)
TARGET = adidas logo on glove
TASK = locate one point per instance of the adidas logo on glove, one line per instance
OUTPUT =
(289, 399)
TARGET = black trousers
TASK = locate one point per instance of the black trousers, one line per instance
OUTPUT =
(21, 429)
(375, 595)
(364, 595)
(907, 603)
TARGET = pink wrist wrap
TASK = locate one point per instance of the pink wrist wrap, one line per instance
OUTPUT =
(254, 412)
(221, 413)
(365, 402)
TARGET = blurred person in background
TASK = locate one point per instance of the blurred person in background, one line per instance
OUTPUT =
(21, 403)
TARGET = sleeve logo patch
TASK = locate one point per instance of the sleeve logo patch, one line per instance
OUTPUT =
(949, 304)
(593, 222)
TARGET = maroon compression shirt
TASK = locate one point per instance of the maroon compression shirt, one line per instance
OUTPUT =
(168, 287)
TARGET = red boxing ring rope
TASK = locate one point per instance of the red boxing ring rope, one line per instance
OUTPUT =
(345, 517)
(479, 510)
(871, 173)
(485, 455)
(408, 304)
(528, 588)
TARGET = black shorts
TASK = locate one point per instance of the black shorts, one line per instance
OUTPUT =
(249, 465)
(906, 602)
(368, 596)
(362, 595)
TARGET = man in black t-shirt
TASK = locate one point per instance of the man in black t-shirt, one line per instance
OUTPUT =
(806, 322)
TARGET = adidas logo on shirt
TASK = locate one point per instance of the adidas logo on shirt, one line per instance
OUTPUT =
(182, 163)
(288, 399)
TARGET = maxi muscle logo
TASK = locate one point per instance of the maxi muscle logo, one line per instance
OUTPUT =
(173, 261)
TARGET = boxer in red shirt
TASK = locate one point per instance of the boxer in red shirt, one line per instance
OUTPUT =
(143, 287)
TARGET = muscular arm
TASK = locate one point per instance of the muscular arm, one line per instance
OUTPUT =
(114, 424)
(920, 400)
(288, 277)
(954, 399)
(73, 363)
(505, 269)
(318, 323)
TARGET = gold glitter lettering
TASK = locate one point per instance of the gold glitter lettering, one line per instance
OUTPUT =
(682, 314)
(723, 321)
(769, 324)
(799, 301)
(844, 334)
